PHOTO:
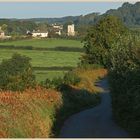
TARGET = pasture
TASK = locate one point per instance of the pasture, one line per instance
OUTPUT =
(47, 64)
(45, 43)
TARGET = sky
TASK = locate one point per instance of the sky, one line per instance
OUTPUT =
(53, 9)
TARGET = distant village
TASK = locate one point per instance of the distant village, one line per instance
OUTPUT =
(55, 28)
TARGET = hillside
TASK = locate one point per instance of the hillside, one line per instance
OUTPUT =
(129, 13)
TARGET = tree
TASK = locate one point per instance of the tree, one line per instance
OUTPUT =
(124, 75)
(16, 73)
(4, 27)
(100, 38)
(42, 26)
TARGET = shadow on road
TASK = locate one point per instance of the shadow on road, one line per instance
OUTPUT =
(96, 122)
(74, 100)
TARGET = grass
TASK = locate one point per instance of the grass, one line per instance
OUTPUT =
(28, 115)
(33, 113)
(45, 43)
(36, 112)
(45, 58)
(43, 75)
(89, 78)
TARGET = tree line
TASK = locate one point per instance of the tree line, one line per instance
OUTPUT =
(111, 44)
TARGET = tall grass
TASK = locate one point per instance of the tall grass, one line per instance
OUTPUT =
(40, 112)
(28, 114)
(89, 78)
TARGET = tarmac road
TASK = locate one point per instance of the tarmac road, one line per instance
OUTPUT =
(96, 122)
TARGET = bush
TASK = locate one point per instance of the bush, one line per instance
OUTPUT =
(71, 78)
(16, 73)
(124, 75)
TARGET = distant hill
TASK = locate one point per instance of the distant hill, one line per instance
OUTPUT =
(81, 19)
(54, 20)
(129, 13)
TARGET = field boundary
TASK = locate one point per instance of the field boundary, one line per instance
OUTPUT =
(58, 48)
(66, 68)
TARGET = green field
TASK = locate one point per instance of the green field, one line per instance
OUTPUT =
(45, 43)
(43, 60)
(42, 75)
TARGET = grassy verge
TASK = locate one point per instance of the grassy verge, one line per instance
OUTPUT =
(89, 78)
(40, 112)
(29, 114)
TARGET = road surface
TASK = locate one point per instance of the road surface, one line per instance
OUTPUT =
(96, 122)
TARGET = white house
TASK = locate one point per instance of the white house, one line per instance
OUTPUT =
(40, 34)
(56, 26)
(71, 30)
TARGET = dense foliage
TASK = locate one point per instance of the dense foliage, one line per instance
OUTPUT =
(70, 78)
(128, 13)
(17, 27)
(111, 44)
(124, 75)
(16, 73)
(101, 38)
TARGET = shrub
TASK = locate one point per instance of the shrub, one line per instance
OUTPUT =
(124, 75)
(16, 73)
(71, 78)
(57, 82)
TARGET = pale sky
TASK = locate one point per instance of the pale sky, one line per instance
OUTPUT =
(53, 9)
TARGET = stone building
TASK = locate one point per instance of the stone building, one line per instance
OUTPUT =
(71, 30)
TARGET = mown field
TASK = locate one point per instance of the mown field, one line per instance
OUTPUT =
(47, 64)
(45, 43)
